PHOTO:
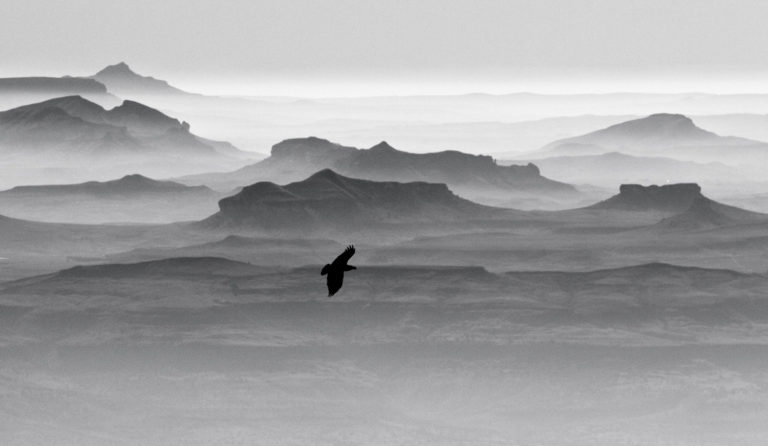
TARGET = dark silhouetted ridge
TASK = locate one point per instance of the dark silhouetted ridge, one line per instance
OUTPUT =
(668, 198)
(330, 201)
(55, 86)
(128, 185)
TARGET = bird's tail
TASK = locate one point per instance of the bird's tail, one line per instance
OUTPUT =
(325, 269)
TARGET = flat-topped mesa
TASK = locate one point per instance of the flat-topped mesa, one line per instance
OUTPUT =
(679, 188)
(330, 201)
(311, 148)
(669, 198)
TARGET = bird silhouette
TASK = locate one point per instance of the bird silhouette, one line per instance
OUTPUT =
(335, 270)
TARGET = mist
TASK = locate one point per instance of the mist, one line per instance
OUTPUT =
(356, 222)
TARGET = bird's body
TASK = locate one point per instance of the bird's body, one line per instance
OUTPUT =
(335, 270)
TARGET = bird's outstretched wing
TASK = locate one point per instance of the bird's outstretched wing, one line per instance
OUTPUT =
(335, 280)
(344, 257)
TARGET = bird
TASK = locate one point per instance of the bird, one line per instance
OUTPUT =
(335, 270)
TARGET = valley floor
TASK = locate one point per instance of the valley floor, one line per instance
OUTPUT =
(391, 394)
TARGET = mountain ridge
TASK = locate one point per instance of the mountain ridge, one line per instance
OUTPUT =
(122, 80)
(79, 125)
(327, 201)
(662, 134)
(472, 176)
(127, 185)
(682, 207)
(705, 213)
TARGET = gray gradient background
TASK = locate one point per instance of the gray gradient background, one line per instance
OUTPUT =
(397, 47)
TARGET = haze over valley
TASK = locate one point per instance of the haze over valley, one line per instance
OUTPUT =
(337, 223)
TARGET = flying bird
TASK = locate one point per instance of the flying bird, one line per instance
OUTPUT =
(335, 270)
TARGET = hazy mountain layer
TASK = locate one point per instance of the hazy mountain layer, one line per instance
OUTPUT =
(133, 198)
(668, 135)
(72, 133)
(123, 81)
(609, 169)
(17, 91)
(329, 202)
(135, 184)
(683, 204)
(704, 213)
(72, 125)
(472, 176)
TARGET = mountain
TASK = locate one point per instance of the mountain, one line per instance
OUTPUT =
(612, 168)
(682, 205)
(17, 91)
(330, 202)
(129, 185)
(133, 198)
(476, 177)
(670, 198)
(124, 82)
(382, 162)
(74, 124)
(708, 214)
(71, 131)
(669, 135)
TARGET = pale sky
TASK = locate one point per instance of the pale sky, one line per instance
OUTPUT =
(350, 47)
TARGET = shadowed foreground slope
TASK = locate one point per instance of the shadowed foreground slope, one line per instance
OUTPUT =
(200, 351)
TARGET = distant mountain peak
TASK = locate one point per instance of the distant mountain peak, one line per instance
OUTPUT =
(659, 125)
(120, 68)
(383, 146)
(137, 178)
(652, 134)
(325, 173)
(121, 79)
